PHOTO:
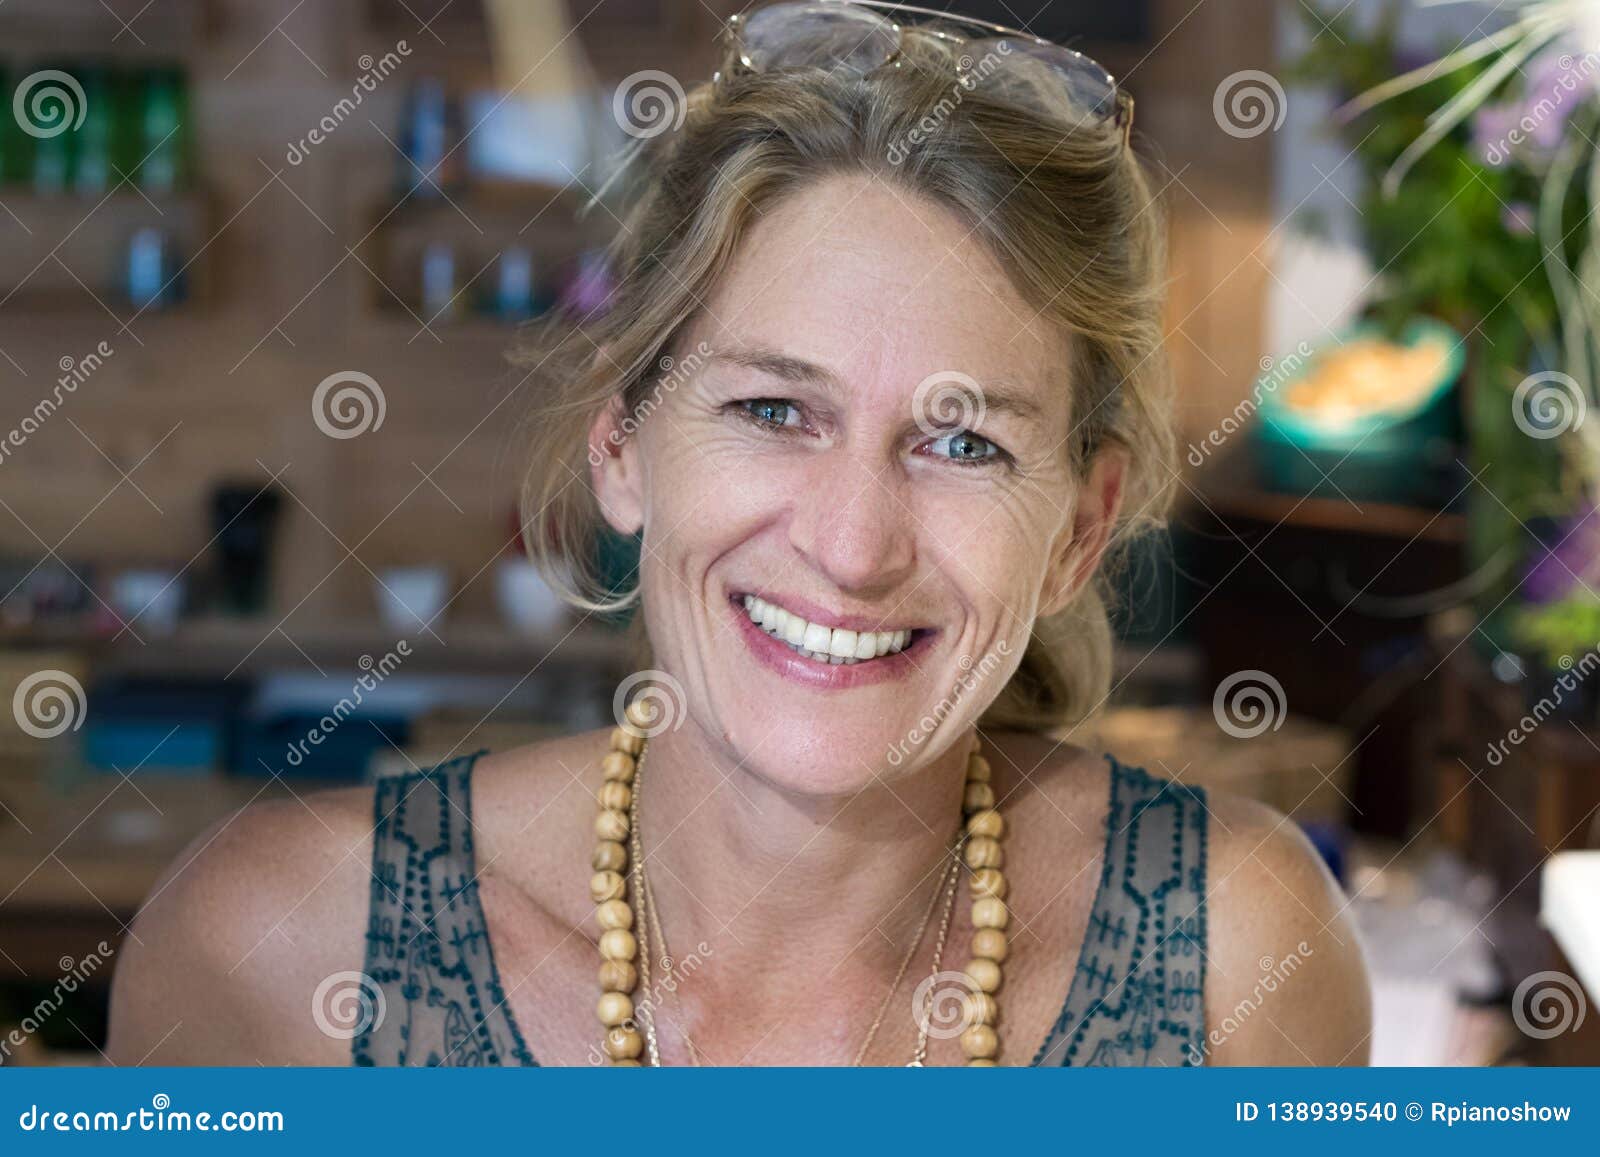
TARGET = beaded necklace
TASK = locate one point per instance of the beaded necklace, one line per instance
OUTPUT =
(619, 948)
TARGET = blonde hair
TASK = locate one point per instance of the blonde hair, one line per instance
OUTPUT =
(1068, 213)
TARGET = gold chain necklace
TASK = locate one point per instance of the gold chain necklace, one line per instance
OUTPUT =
(616, 821)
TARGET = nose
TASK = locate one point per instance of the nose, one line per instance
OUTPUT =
(853, 525)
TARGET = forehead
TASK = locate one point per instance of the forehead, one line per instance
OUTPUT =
(880, 285)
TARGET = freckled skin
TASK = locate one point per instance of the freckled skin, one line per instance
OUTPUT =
(786, 841)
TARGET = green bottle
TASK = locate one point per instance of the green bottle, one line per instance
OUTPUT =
(12, 165)
(53, 109)
(163, 135)
(92, 169)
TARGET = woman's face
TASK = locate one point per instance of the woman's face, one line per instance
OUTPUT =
(855, 490)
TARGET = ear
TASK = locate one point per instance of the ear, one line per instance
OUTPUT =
(615, 470)
(1094, 517)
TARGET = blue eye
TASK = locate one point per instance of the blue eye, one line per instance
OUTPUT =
(771, 411)
(964, 446)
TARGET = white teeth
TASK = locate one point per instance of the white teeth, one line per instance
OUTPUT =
(831, 645)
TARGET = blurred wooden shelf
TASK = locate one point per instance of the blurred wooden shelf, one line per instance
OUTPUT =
(1386, 519)
(57, 244)
(216, 646)
(123, 29)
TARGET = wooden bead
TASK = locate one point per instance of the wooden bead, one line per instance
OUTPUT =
(990, 942)
(610, 824)
(988, 882)
(607, 885)
(609, 856)
(630, 1063)
(641, 716)
(622, 1044)
(617, 914)
(984, 973)
(626, 741)
(990, 913)
(616, 796)
(614, 1009)
(980, 1008)
(980, 1042)
(977, 797)
(618, 944)
(978, 770)
(618, 767)
(981, 1063)
(618, 976)
(986, 823)
(983, 852)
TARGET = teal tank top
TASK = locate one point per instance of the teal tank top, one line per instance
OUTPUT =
(1136, 997)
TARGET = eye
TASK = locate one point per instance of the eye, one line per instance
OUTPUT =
(965, 446)
(774, 412)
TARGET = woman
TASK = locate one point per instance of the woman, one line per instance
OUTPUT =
(908, 281)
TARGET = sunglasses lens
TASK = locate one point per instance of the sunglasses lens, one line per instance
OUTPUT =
(1048, 77)
(818, 36)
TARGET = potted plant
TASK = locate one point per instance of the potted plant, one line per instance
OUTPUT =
(1482, 175)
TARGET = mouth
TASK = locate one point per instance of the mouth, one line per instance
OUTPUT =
(826, 653)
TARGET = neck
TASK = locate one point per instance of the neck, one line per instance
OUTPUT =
(792, 892)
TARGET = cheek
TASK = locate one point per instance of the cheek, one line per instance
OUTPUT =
(995, 547)
(707, 486)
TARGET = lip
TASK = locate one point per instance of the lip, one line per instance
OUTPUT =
(828, 676)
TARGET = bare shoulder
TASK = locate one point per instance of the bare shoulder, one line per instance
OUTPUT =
(222, 961)
(1286, 981)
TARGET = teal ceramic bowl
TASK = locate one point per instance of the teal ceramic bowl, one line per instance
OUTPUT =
(1388, 454)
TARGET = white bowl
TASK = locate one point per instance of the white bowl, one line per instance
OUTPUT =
(526, 601)
(410, 597)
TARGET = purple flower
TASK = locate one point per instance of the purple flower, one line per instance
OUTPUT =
(1572, 553)
(1493, 128)
(1518, 219)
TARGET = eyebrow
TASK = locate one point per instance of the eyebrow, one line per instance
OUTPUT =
(783, 366)
(1001, 395)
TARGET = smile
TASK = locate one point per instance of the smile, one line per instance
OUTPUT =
(820, 643)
